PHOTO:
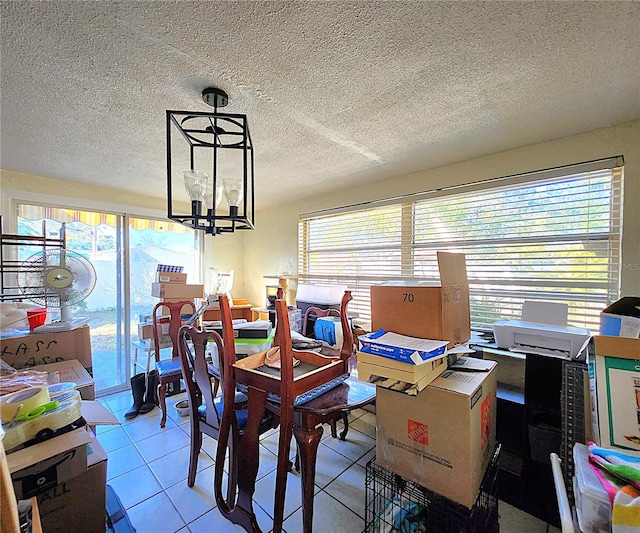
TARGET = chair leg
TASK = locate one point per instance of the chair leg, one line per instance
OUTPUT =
(162, 397)
(284, 465)
(196, 445)
(232, 478)
(296, 463)
(334, 426)
(345, 421)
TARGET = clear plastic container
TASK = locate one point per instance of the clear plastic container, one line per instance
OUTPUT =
(252, 346)
(592, 503)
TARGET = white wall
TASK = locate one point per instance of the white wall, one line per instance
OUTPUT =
(272, 247)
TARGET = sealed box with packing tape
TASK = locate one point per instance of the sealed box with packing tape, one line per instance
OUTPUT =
(429, 311)
(443, 438)
(44, 348)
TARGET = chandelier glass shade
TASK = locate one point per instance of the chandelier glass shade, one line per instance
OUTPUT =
(211, 156)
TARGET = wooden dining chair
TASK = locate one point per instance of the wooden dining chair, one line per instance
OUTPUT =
(168, 370)
(203, 379)
(230, 412)
(304, 420)
(321, 389)
(310, 316)
(202, 384)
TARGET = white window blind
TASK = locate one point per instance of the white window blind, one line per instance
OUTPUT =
(554, 239)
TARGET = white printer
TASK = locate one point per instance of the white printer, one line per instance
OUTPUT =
(543, 330)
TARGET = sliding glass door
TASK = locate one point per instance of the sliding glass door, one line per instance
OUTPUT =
(124, 252)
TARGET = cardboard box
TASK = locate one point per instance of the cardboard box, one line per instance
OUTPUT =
(73, 371)
(615, 382)
(622, 318)
(179, 291)
(371, 367)
(78, 503)
(45, 469)
(44, 348)
(145, 331)
(47, 464)
(438, 312)
(171, 277)
(443, 438)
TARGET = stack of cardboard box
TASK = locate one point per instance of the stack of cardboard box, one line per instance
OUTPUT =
(438, 429)
(173, 287)
(169, 287)
(66, 473)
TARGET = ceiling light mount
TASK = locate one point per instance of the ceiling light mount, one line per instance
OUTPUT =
(215, 97)
(210, 154)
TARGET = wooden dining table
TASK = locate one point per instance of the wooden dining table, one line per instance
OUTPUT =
(308, 419)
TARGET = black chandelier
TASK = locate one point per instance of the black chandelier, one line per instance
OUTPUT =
(215, 163)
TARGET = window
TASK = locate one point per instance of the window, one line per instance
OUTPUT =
(549, 236)
(124, 252)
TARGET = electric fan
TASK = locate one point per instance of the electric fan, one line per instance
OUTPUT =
(57, 278)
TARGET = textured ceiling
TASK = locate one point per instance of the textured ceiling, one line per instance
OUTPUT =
(337, 93)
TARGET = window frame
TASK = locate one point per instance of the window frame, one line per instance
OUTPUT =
(408, 247)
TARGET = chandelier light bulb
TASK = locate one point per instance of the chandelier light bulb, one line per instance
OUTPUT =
(209, 198)
(233, 192)
(195, 183)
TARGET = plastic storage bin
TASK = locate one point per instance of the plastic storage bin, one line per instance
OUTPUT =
(592, 503)
(252, 346)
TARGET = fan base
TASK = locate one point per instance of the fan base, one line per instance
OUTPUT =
(63, 325)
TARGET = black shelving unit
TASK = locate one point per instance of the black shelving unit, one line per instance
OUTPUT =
(10, 263)
(574, 429)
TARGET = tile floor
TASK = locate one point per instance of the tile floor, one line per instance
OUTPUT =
(147, 467)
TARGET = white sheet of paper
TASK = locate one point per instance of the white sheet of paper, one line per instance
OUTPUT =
(410, 343)
(545, 313)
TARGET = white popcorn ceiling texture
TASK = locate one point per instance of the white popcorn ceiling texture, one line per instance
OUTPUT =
(337, 93)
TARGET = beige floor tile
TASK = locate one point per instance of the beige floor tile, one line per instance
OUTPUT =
(348, 489)
(193, 502)
(156, 514)
(143, 427)
(329, 516)
(112, 440)
(332, 464)
(355, 446)
(213, 521)
(164, 443)
(135, 486)
(513, 520)
(174, 467)
(265, 493)
(123, 460)
(150, 477)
